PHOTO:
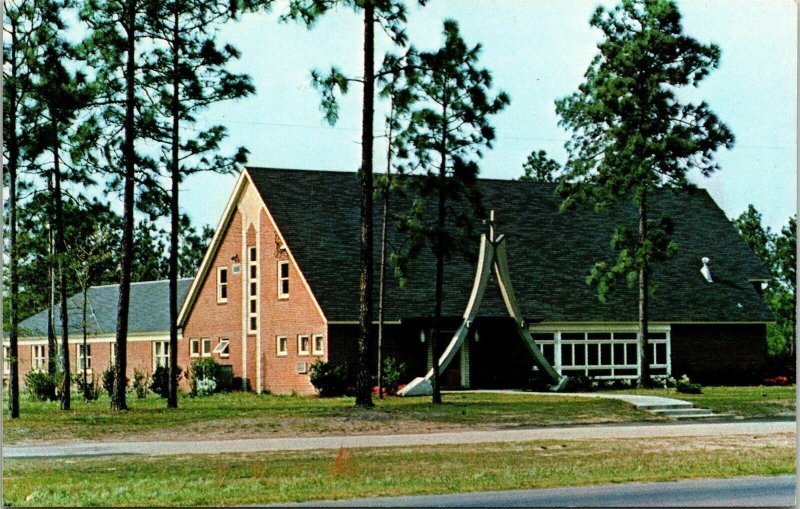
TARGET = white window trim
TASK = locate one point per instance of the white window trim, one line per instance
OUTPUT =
(78, 357)
(223, 343)
(285, 351)
(112, 354)
(192, 343)
(300, 350)
(38, 362)
(250, 296)
(164, 354)
(314, 350)
(283, 263)
(6, 360)
(203, 352)
(220, 285)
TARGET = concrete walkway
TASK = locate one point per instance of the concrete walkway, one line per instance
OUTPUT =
(358, 441)
(639, 401)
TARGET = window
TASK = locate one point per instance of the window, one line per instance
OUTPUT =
(252, 296)
(160, 354)
(6, 363)
(319, 345)
(113, 354)
(84, 357)
(223, 348)
(303, 345)
(222, 285)
(282, 346)
(37, 357)
(194, 348)
(206, 342)
(283, 280)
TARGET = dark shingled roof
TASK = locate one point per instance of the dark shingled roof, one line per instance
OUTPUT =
(550, 254)
(148, 312)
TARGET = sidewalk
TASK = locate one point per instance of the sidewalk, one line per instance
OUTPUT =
(358, 441)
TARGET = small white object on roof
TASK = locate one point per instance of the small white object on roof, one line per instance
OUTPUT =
(705, 271)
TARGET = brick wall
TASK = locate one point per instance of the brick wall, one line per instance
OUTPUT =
(727, 354)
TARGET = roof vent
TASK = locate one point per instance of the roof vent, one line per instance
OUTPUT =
(705, 271)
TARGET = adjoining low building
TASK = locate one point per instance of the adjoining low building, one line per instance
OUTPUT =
(278, 289)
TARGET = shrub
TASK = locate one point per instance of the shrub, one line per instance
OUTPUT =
(141, 381)
(686, 386)
(327, 379)
(160, 381)
(579, 382)
(90, 390)
(204, 373)
(42, 386)
(393, 371)
(107, 379)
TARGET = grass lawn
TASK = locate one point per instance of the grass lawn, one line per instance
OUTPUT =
(751, 402)
(241, 415)
(259, 478)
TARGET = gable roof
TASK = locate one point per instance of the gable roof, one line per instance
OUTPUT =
(148, 311)
(549, 254)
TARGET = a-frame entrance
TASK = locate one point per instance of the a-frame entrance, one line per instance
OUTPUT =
(492, 255)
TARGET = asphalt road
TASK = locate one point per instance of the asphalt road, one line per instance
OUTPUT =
(778, 491)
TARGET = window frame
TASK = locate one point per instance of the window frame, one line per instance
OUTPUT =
(203, 351)
(83, 357)
(314, 349)
(163, 355)
(6, 360)
(222, 285)
(281, 279)
(278, 351)
(194, 347)
(252, 291)
(300, 350)
(38, 362)
(227, 346)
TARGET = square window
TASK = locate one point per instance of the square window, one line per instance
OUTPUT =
(206, 344)
(282, 346)
(303, 345)
(194, 347)
(319, 345)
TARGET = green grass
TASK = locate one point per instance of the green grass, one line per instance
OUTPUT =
(750, 402)
(239, 415)
(259, 478)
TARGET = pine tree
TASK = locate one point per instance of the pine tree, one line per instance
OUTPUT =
(540, 168)
(390, 15)
(189, 75)
(446, 135)
(632, 134)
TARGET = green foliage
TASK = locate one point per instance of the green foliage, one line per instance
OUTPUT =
(329, 380)
(686, 386)
(42, 386)
(204, 373)
(107, 379)
(393, 371)
(160, 381)
(141, 383)
(540, 168)
(89, 390)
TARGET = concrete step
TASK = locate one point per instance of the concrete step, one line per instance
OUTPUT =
(685, 412)
(669, 406)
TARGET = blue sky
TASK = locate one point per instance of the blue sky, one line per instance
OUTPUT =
(537, 52)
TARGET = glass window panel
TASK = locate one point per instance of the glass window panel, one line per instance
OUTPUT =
(284, 269)
(593, 357)
(580, 355)
(605, 354)
(252, 254)
(566, 355)
(630, 352)
(573, 336)
(542, 336)
(599, 335)
(624, 335)
(661, 353)
(656, 335)
(619, 354)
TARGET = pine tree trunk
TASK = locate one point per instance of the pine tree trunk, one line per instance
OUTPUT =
(52, 367)
(644, 297)
(83, 323)
(61, 250)
(118, 401)
(13, 162)
(439, 250)
(382, 282)
(172, 397)
(363, 376)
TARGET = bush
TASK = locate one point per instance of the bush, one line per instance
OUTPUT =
(579, 382)
(329, 380)
(141, 381)
(205, 374)
(686, 386)
(160, 381)
(89, 390)
(42, 386)
(393, 371)
(107, 379)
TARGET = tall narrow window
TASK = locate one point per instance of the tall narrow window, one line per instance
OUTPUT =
(222, 285)
(113, 355)
(303, 345)
(252, 296)
(37, 357)
(206, 342)
(283, 280)
(318, 345)
(6, 362)
(160, 354)
(194, 348)
(282, 346)
(84, 357)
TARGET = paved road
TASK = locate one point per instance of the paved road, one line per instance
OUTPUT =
(737, 492)
(357, 441)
